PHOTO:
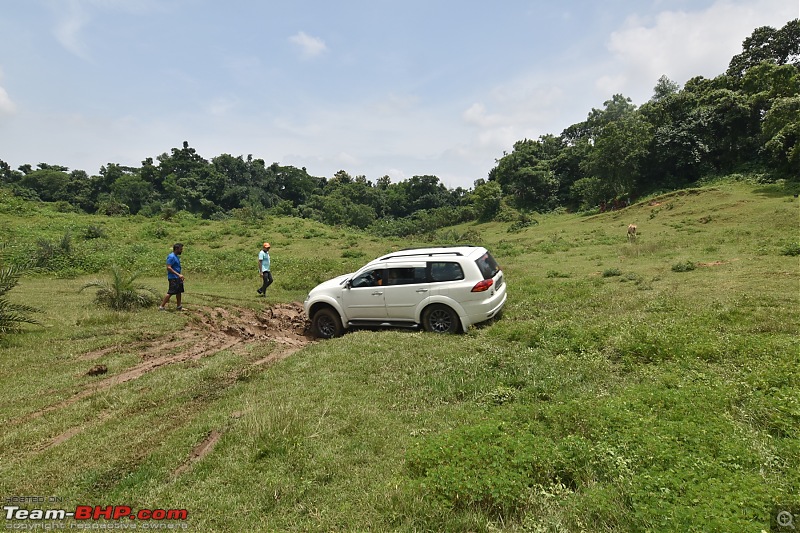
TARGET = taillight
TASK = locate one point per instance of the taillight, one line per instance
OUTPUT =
(482, 285)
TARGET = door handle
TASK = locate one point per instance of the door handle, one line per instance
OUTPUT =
(377, 293)
(422, 290)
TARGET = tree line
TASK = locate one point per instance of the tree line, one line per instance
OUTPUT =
(745, 120)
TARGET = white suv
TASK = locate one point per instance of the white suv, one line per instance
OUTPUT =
(444, 289)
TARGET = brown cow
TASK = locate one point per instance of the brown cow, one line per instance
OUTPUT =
(631, 232)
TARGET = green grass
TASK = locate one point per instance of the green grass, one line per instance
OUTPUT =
(617, 393)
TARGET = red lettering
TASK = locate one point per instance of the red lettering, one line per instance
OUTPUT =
(100, 512)
(83, 512)
(111, 512)
(121, 511)
(177, 514)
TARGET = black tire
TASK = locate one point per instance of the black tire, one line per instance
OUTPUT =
(439, 318)
(326, 324)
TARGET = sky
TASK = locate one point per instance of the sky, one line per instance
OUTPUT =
(371, 87)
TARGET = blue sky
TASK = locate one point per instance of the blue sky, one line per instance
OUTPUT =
(372, 87)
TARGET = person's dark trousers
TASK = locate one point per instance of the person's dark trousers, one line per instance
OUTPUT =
(267, 275)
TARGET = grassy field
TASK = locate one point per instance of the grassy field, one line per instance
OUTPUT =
(645, 386)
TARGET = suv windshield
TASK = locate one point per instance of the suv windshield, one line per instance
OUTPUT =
(487, 265)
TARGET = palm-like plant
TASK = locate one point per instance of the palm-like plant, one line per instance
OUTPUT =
(122, 292)
(12, 315)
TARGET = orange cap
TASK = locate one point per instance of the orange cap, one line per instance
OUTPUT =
(266, 245)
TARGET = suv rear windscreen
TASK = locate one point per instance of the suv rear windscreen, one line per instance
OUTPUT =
(487, 265)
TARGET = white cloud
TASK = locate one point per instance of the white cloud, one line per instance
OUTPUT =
(346, 159)
(682, 45)
(309, 46)
(476, 115)
(7, 107)
(395, 174)
(69, 28)
(74, 16)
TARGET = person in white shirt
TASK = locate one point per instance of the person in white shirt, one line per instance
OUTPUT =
(264, 269)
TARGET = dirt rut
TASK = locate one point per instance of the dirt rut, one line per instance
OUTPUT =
(208, 331)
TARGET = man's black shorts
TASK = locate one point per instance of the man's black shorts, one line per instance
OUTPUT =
(175, 286)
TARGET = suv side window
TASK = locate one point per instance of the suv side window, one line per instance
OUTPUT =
(370, 278)
(446, 271)
(405, 275)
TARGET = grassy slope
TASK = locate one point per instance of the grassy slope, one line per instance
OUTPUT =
(615, 394)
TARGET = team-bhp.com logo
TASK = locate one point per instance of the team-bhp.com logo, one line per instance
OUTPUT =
(88, 512)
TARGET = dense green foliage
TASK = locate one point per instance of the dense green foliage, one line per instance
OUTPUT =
(746, 120)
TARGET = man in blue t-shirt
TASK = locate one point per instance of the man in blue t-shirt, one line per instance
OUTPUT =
(174, 277)
(264, 269)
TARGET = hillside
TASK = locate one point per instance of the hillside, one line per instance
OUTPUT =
(629, 386)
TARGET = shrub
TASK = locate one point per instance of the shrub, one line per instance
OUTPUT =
(521, 223)
(353, 254)
(611, 272)
(12, 315)
(121, 292)
(94, 232)
(46, 251)
(501, 395)
(685, 266)
(791, 249)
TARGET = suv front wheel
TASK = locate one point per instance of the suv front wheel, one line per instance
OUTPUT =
(439, 318)
(326, 323)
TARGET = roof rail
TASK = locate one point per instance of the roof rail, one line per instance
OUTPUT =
(441, 247)
(428, 254)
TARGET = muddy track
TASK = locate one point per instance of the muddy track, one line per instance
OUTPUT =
(208, 330)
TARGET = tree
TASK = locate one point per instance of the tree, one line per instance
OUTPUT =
(591, 192)
(50, 184)
(619, 153)
(725, 123)
(426, 192)
(295, 184)
(615, 109)
(132, 191)
(781, 132)
(7, 175)
(779, 47)
(664, 88)
(487, 197)
(527, 174)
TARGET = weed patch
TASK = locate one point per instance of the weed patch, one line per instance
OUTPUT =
(684, 266)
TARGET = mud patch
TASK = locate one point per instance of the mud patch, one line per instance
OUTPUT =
(96, 370)
(208, 331)
(715, 263)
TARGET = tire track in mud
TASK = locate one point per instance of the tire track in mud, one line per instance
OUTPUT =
(199, 451)
(208, 331)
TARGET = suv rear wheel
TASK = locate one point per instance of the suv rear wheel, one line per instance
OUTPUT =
(326, 323)
(439, 318)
